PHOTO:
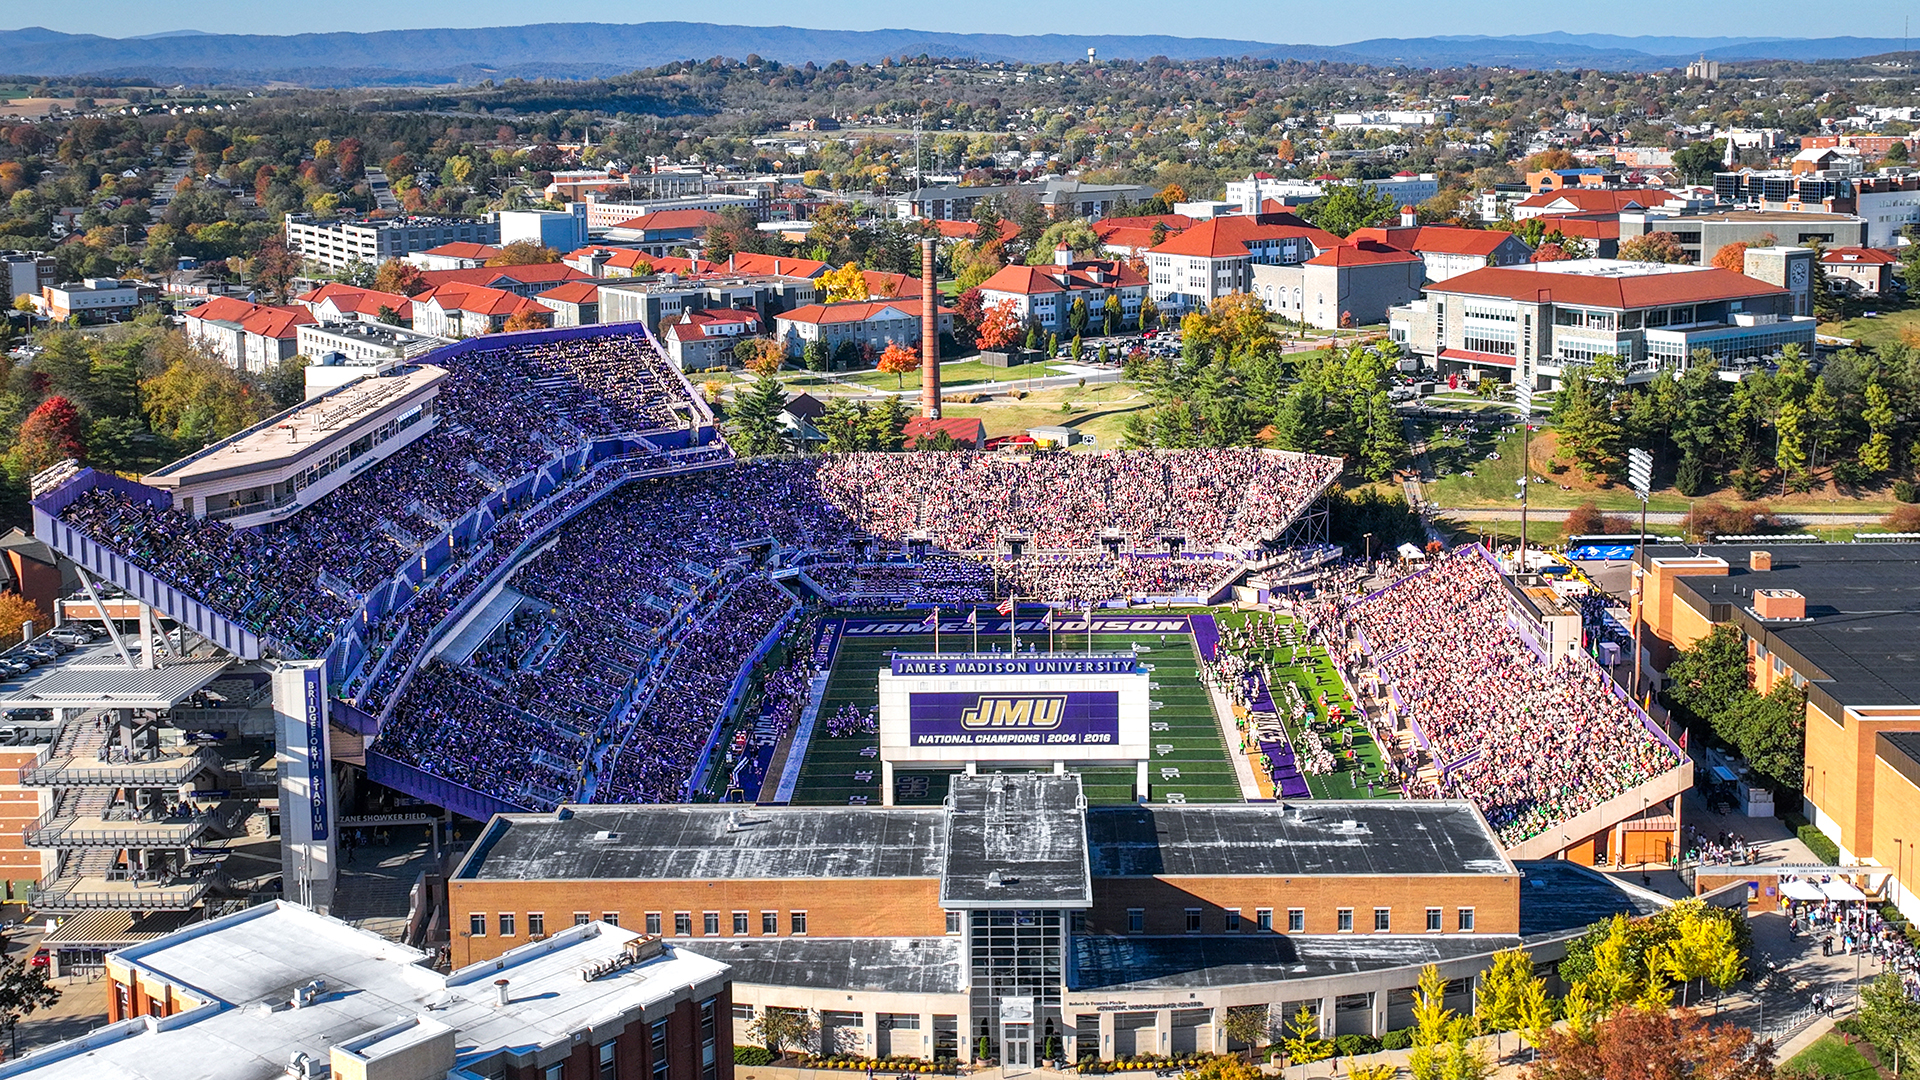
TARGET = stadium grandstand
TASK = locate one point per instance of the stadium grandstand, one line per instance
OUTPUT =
(554, 588)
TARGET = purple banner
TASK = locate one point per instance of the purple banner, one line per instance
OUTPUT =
(978, 664)
(1065, 622)
(1076, 718)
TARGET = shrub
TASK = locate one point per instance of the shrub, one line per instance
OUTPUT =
(752, 1055)
(1905, 518)
(1906, 491)
(1398, 1039)
(1823, 849)
(1719, 519)
(1350, 1045)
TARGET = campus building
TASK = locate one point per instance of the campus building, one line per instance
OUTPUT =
(342, 243)
(277, 991)
(1115, 929)
(1837, 621)
(1530, 323)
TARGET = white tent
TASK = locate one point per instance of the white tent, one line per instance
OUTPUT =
(1839, 889)
(1801, 890)
(1409, 552)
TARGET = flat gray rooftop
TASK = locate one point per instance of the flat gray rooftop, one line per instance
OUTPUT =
(709, 843)
(1103, 961)
(1863, 610)
(247, 966)
(1558, 896)
(1293, 838)
(1016, 841)
(877, 965)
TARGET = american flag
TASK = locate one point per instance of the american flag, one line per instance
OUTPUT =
(973, 616)
(933, 618)
(1047, 619)
(1006, 606)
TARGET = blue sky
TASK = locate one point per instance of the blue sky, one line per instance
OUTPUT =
(1289, 21)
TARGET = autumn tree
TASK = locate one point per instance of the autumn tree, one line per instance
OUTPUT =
(1500, 1003)
(399, 276)
(1654, 247)
(1302, 1043)
(17, 610)
(527, 320)
(196, 399)
(1248, 1025)
(53, 432)
(1000, 325)
(274, 266)
(1076, 235)
(1654, 1043)
(897, 360)
(1550, 160)
(763, 356)
(846, 283)
(780, 1029)
(524, 253)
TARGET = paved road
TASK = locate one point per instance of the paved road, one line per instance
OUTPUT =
(170, 178)
(1664, 517)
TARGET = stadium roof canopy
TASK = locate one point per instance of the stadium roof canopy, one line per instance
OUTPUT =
(90, 686)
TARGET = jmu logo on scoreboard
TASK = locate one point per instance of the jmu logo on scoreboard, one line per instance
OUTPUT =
(1034, 712)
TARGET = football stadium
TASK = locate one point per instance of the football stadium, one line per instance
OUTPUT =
(524, 579)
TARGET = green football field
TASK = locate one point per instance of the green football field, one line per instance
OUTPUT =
(1309, 666)
(1185, 735)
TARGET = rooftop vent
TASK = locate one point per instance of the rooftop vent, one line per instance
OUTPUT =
(993, 879)
(606, 837)
(1759, 560)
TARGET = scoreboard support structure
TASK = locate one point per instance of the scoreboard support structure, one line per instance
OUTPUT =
(1013, 710)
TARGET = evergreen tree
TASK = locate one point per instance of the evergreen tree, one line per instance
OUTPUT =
(1588, 432)
(887, 425)
(755, 428)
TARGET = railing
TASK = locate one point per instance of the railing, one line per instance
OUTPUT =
(182, 895)
(135, 835)
(68, 774)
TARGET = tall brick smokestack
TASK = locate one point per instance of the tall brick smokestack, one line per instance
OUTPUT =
(929, 335)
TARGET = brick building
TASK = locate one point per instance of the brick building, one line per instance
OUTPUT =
(1837, 621)
(910, 928)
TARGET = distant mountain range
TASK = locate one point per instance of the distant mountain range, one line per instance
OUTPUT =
(586, 50)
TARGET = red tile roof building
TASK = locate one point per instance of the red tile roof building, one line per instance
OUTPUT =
(1133, 236)
(1045, 294)
(1216, 257)
(248, 336)
(1532, 322)
(1447, 250)
(520, 280)
(1348, 285)
(576, 303)
(1859, 270)
(334, 302)
(705, 339)
(968, 432)
(1590, 201)
(458, 310)
(459, 255)
(864, 324)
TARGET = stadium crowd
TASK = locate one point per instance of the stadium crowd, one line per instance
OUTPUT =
(1533, 745)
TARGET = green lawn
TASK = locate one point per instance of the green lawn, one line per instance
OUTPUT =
(1886, 328)
(1185, 735)
(1309, 667)
(1830, 1056)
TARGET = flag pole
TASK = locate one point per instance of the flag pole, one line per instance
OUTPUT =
(936, 629)
(973, 621)
(1089, 629)
(1049, 630)
(1013, 621)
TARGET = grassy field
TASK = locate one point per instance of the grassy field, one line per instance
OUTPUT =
(1890, 324)
(1309, 668)
(1100, 411)
(1830, 1056)
(1191, 736)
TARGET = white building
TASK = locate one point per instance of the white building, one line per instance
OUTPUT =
(249, 337)
(1215, 258)
(342, 243)
(561, 230)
